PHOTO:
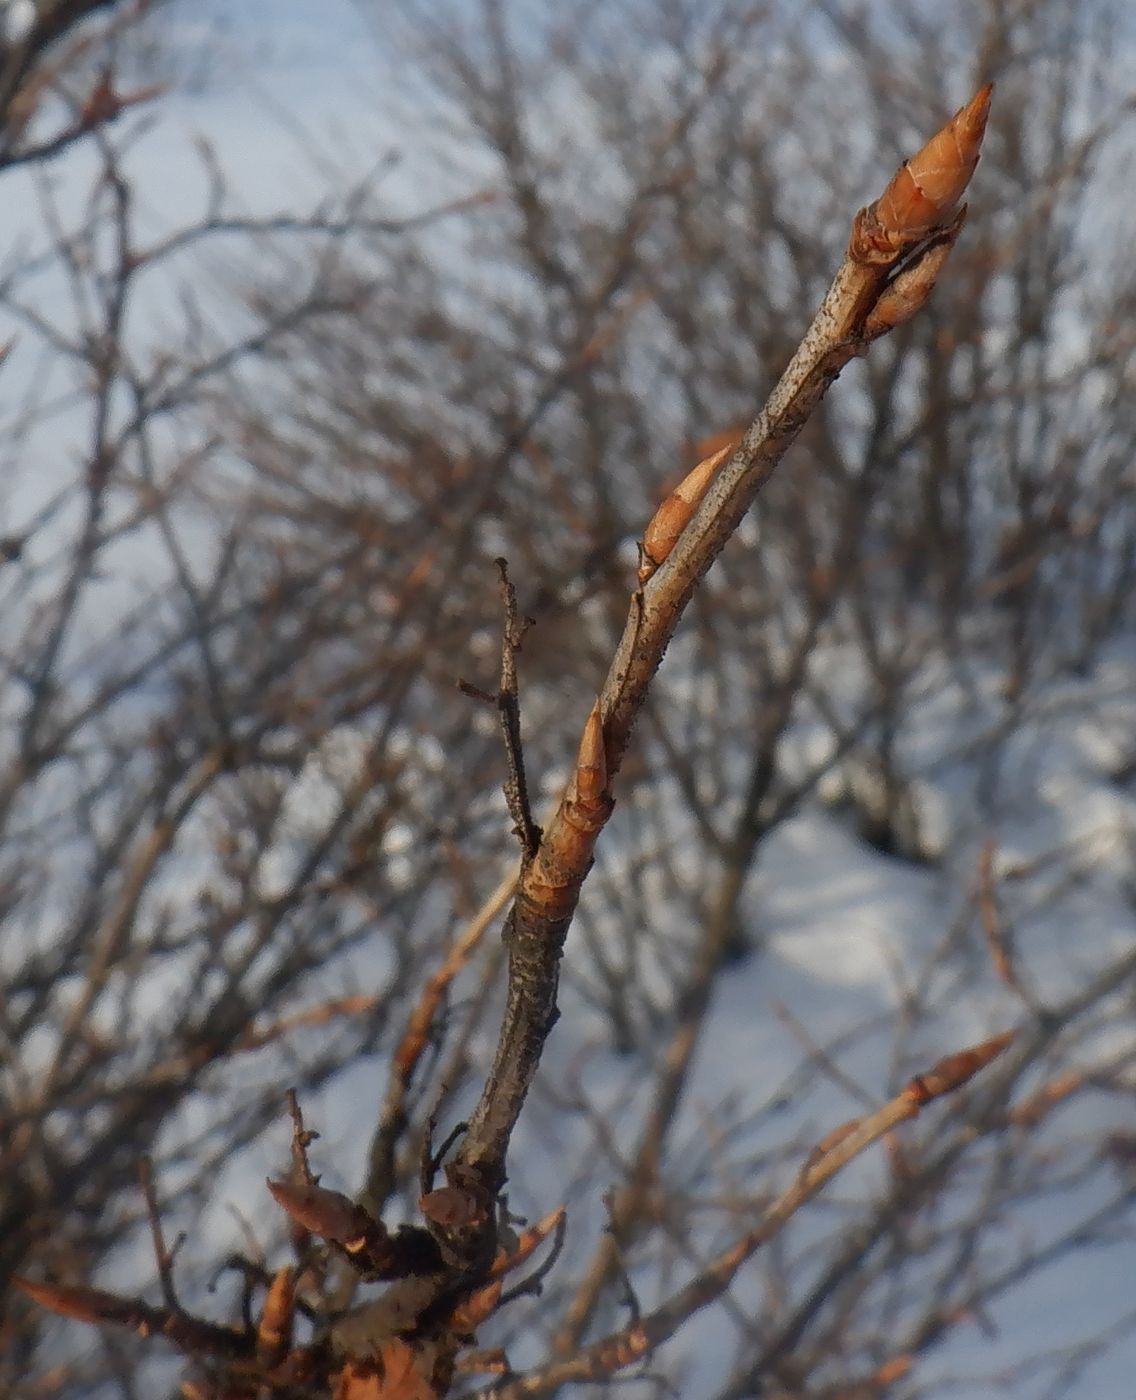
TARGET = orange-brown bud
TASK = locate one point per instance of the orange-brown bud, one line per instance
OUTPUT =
(908, 291)
(274, 1331)
(669, 521)
(84, 1304)
(329, 1214)
(926, 188)
(953, 1071)
(590, 777)
(528, 1241)
(468, 1316)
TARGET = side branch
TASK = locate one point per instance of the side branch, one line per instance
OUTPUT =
(645, 1334)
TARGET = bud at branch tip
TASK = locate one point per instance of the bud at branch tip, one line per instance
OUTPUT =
(925, 189)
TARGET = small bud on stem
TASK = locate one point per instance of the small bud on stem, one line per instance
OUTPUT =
(669, 521)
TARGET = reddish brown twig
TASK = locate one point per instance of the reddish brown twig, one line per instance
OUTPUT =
(190, 1334)
(642, 1337)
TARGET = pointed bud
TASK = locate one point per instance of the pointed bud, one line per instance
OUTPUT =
(527, 1242)
(84, 1304)
(329, 1214)
(366, 1242)
(661, 534)
(468, 1316)
(925, 189)
(274, 1331)
(591, 763)
(669, 521)
(953, 1071)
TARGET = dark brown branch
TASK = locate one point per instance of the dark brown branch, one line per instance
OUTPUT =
(163, 1256)
(302, 1139)
(509, 708)
(415, 1038)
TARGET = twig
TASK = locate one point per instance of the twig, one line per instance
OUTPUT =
(534, 1283)
(302, 1139)
(189, 1334)
(641, 1337)
(999, 938)
(162, 1255)
(819, 1056)
(358, 1005)
(432, 1160)
(509, 708)
(630, 1298)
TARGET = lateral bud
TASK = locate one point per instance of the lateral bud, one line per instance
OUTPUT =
(907, 292)
(77, 1301)
(953, 1071)
(590, 777)
(329, 1214)
(274, 1331)
(669, 521)
(364, 1241)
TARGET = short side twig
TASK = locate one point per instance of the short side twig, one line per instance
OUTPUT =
(509, 708)
(164, 1257)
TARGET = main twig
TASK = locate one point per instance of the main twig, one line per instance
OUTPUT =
(897, 249)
